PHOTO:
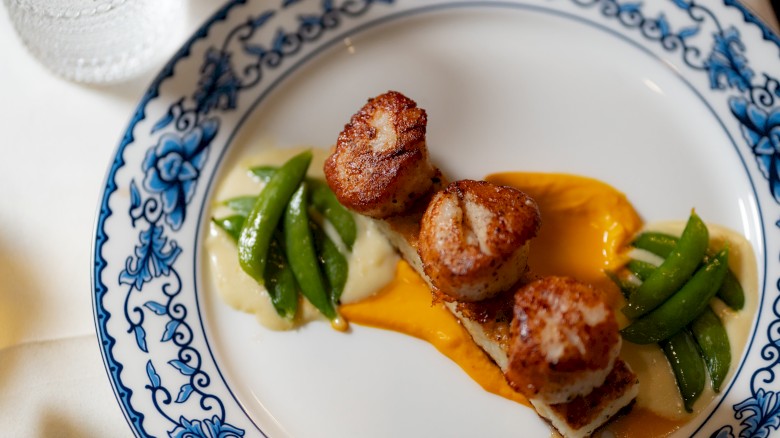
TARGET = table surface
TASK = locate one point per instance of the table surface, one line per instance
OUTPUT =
(49, 355)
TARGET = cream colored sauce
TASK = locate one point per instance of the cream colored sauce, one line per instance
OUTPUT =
(372, 261)
(649, 362)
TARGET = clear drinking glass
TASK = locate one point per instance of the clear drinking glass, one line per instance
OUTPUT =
(97, 41)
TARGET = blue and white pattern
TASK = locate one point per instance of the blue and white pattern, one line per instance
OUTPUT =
(167, 381)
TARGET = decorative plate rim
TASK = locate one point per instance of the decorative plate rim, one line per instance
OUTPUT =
(754, 421)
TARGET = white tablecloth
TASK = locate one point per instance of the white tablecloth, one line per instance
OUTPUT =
(57, 140)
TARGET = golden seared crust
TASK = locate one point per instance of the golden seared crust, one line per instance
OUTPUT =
(584, 410)
(488, 321)
(492, 316)
(380, 165)
(564, 339)
(582, 416)
(494, 310)
(474, 238)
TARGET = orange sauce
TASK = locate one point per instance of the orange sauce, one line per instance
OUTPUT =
(405, 306)
(584, 224)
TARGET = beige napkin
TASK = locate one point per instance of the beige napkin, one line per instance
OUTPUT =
(58, 389)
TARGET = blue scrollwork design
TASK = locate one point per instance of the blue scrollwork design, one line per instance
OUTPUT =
(658, 28)
(154, 256)
(211, 427)
(759, 414)
(173, 165)
(754, 105)
(171, 168)
(208, 428)
(761, 130)
(241, 60)
(218, 86)
(727, 62)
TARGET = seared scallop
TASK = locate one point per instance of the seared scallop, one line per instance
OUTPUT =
(380, 166)
(474, 238)
(564, 340)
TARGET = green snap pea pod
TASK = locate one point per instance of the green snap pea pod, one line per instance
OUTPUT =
(333, 262)
(241, 204)
(688, 366)
(624, 284)
(641, 269)
(673, 272)
(713, 341)
(731, 292)
(323, 199)
(661, 244)
(265, 215)
(231, 225)
(337, 215)
(299, 245)
(679, 310)
(264, 173)
(280, 280)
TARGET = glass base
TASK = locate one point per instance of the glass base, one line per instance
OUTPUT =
(97, 41)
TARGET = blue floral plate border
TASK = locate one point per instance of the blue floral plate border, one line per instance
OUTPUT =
(146, 309)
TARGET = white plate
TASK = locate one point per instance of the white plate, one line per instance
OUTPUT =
(674, 104)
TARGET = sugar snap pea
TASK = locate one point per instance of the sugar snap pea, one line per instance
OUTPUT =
(673, 272)
(624, 284)
(323, 199)
(231, 225)
(662, 244)
(688, 366)
(640, 268)
(731, 291)
(241, 204)
(714, 344)
(280, 280)
(333, 262)
(679, 310)
(301, 253)
(265, 215)
(264, 173)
